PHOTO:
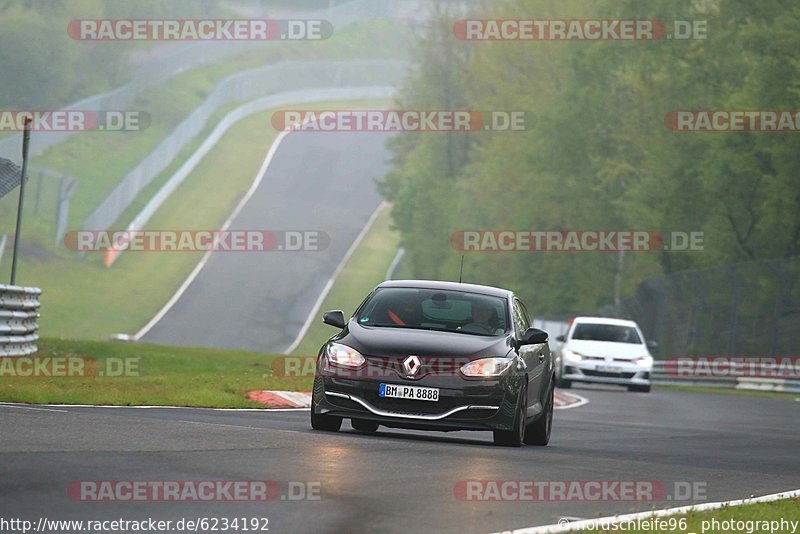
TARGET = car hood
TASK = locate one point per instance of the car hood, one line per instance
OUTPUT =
(397, 342)
(620, 351)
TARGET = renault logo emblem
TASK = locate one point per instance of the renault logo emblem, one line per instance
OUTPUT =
(412, 365)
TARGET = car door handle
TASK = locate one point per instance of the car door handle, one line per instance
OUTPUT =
(541, 357)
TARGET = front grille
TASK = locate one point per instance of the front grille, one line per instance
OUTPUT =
(416, 407)
(448, 399)
(603, 359)
(604, 374)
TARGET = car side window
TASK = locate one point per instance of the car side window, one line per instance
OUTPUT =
(525, 314)
(520, 318)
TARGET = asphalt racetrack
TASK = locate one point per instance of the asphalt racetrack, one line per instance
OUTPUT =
(729, 446)
(319, 182)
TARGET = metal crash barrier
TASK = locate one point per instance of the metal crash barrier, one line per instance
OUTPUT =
(19, 313)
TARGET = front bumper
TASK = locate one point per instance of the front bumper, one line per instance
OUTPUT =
(478, 405)
(598, 372)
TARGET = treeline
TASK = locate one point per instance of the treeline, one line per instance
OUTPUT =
(596, 153)
(41, 66)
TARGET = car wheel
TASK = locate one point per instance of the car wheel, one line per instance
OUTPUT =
(514, 437)
(640, 389)
(538, 432)
(364, 426)
(563, 384)
(327, 423)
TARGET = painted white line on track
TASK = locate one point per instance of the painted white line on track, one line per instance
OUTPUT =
(26, 407)
(240, 426)
(239, 207)
(199, 267)
(54, 407)
(262, 410)
(353, 246)
(568, 526)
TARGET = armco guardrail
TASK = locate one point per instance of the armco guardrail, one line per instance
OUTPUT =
(241, 87)
(662, 377)
(19, 311)
(290, 97)
(182, 57)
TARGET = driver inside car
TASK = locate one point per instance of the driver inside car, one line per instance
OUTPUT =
(483, 319)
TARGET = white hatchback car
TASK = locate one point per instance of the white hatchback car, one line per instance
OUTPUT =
(604, 351)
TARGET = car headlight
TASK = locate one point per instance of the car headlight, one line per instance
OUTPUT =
(486, 367)
(572, 356)
(644, 361)
(339, 354)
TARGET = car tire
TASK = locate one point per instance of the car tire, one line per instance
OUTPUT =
(515, 436)
(640, 389)
(327, 423)
(364, 426)
(563, 384)
(538, 432)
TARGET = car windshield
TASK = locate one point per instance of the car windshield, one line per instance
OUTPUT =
(606, 332)
(435, 309)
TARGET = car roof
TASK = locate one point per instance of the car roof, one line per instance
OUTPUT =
(453, 286)
(605, 320)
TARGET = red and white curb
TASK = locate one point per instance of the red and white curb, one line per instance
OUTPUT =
(302, 399)
(563, 400)
(282, 399)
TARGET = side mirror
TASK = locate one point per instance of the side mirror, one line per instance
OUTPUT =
(533, 336)
(651, 344)
(561, 338)
(334, 318)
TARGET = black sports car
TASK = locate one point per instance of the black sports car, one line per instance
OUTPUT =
(432, 355)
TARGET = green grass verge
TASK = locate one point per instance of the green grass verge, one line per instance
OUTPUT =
(159, 376)
(701, 522)
(180, 376)
(99, 160)
(81, 298)
(365, 269)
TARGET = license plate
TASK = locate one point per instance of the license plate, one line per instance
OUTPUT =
(607, 369)
(409, 392)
